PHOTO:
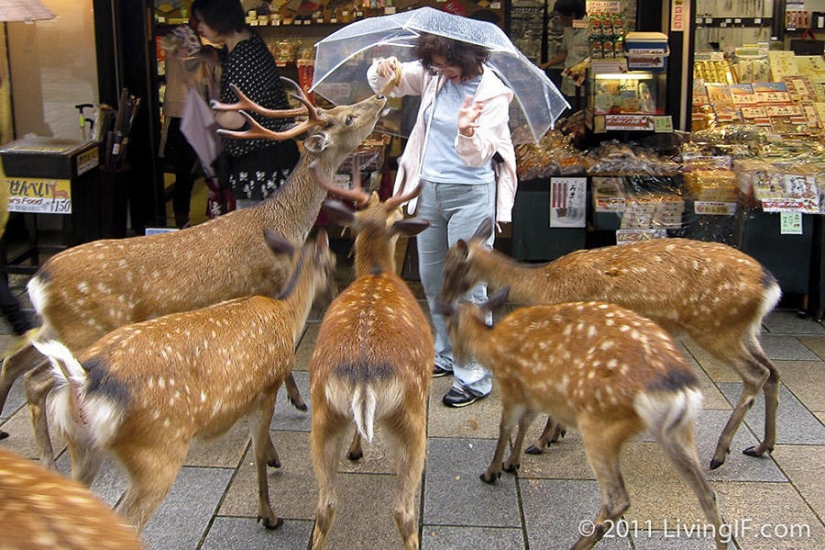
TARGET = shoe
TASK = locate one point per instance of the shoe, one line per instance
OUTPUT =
(460, 397)
(438, 372)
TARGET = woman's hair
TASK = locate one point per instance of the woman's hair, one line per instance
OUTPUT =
(570, 7)
(222, 16)
(467, 57)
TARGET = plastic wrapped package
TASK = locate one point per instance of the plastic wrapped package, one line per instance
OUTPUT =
(554, 155)
(712, 185)
(619, 158)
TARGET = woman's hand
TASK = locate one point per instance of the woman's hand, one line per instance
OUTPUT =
(388, 67)
(468, 116)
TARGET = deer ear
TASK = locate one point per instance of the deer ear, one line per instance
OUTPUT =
(410, 226)
(321, 241)
(498, 299)
(316, 143)
(461, 246)
(278, 243)
(484, 229)
(338, 212)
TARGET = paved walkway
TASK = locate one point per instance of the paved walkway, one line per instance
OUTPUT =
(771, 503)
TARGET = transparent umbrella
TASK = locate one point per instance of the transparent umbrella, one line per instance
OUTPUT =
(342, 59)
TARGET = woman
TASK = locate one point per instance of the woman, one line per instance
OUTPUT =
(252, 168)
(462, 125)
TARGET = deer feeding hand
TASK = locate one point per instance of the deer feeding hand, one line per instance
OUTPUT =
(389, 68)
(468, 116)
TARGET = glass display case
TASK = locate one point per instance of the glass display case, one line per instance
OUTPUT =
(621, 100)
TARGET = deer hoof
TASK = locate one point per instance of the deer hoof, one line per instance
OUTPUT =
(355, 456)
(558, 435)
(3, 435)
(756, 451)
(490, 479)
(512, 468)
(300, 406)
(715, 463)
(269, 523)
(533, 450)
(274, 463)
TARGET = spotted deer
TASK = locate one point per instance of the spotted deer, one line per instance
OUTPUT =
(372, 361)
(89, 290)
(42, 510)
(716, 294)
(144, 391)
(595, 366)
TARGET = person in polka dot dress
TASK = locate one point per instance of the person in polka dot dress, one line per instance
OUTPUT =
(253, 169)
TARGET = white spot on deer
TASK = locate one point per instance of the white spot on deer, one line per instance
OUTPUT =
(203, 397)
(161, 382)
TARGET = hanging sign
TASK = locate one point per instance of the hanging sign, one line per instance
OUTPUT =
(679, 15)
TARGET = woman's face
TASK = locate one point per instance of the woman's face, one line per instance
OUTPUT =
(207, 32)
(440, 65)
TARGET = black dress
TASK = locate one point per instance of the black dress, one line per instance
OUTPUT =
(255, 168)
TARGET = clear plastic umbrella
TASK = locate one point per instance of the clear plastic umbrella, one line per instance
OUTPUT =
(342, 59)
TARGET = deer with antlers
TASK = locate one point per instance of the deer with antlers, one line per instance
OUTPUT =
(372, 360)
(714, 293)
(87, 291)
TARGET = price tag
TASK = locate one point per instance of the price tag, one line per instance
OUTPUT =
(790, 223)
(663, 124)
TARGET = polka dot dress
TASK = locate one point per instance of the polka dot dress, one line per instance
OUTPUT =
(257, 167)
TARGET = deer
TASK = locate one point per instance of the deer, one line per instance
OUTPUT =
(716, 294)
(373, 360)
(596, 366)
(87, 291)
(42, 510)
(144, 391)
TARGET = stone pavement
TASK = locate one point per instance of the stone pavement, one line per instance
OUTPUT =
(775, 502)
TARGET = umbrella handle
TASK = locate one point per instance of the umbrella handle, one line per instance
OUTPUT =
(392, 82)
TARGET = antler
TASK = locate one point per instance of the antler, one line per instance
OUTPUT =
(255, 130)
(357, 193)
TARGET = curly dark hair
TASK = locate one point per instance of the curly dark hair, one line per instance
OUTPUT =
(467, 57)
(222, 16)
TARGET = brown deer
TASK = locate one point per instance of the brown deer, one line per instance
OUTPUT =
(593, 365)
(714, 293)
(372, 362)
(87, 291)
(42, 510)
(145, 391)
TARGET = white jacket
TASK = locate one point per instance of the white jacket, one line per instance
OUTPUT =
(491, 136)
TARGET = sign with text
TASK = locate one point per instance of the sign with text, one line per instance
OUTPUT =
(39, 195)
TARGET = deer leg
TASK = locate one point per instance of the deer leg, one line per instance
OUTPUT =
(412, 449)
(19, 362)
(262, 445)
(680, 446)
(85, 460)
(753, 377)
(602, 443)
(326, 439)
(513, 462)
(771, 392)
(152, 473)
(355, 451)
(294, 394)
(553, 431)
(509, 416)
(38, 382)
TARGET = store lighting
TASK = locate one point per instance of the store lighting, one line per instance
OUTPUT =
(27, 11)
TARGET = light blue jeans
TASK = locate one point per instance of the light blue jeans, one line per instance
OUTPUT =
(454, 212)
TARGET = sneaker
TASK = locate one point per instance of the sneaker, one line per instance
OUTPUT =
(438, 372)
(460, 397)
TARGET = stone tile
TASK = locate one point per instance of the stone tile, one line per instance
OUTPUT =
(461, 538)
(804, 464)
(816, 344)
(786, 348)
(224, 452)
(821, 416)
(776, 507)
(716, 370)
(454, 494)
(111, 480)
(795, 424)
(562, 460)
(675, 538)
(182, 519)
(738, 466)
(713, 397)
(804, 380)
(227, 533)
(306, 346)
(479, 420)
(555, 512)
(287, 417)
(21, 436)
(787, 321)
(367, 523)
(292, 488)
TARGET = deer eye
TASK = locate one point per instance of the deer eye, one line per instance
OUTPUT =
(349, 120)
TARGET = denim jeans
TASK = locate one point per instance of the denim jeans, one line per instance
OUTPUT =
(454, 212)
